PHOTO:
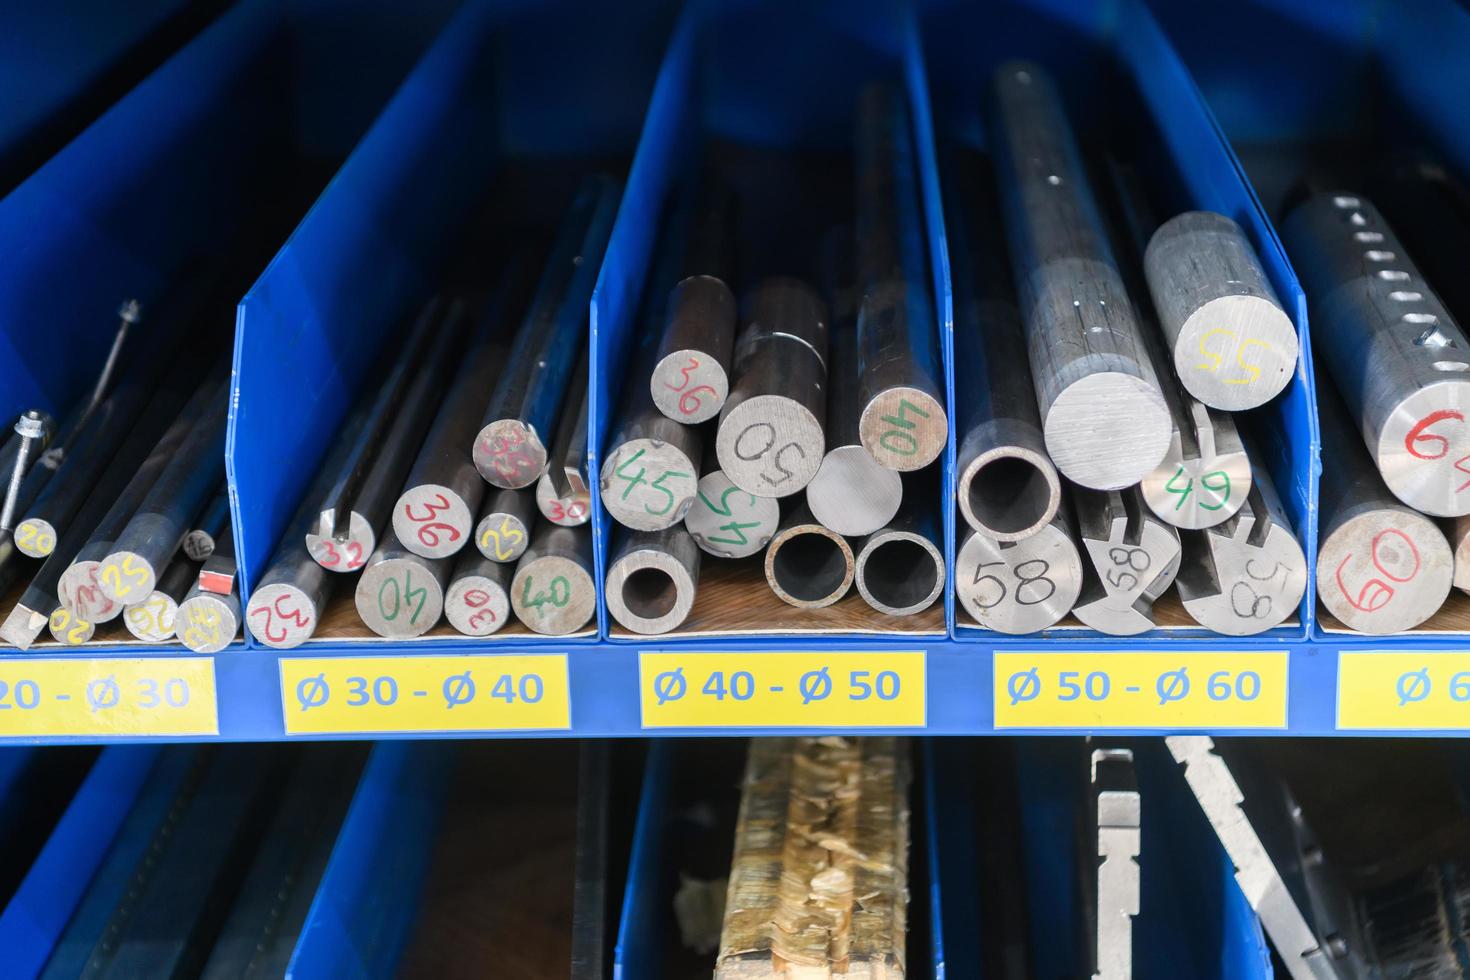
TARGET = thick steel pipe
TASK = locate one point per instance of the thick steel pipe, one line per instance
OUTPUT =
(899, 568)
(1103, 417)
(478, 600)
(770, 440)
(552, 592)
(155, 619)
(1023, 586)
(903, 422)
(1133, 558)
(400, 595)
(1397, 356)
(1230, 342)
(510, 449)
(652, 580)
(562, 493)
(808, 565)
(207, 622)
(1381, 567)
(726, 521)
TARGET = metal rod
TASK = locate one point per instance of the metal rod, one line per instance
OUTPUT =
(67, 629)
(434, 516)
(1008, 488)
(505, 525)
(807, 565)
(726, 521)
(1400, 361)
(770, 440)
(31, 428)
(900, 568)
(1381, 567)
(562, 493)
(1022, 586)
(155, 618)
(652, 580)
(552, 592)
(1103, 417)
(903, 423)
(510, 451)
(1117, 811)
(1132, 558)
(128, 316)
(400, 595)
(478, 600)
(212, 522)
(207, 622)
(217, 574)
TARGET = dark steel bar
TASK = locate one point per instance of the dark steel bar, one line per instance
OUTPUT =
(652, 579)
(562, 493)
(505, 525)
(478, 600)
(552, 592)
(217, 575)
(400, 595)
(212, 521)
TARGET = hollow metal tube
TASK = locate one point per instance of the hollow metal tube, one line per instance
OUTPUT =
(808, 565)
(510, 449)
(400, 595)
(1399, 359)
(900, 568)
(1131, 558)
(552, 591)
(1022, 586)
(653, 579)
(1103, 417)
(478, 600)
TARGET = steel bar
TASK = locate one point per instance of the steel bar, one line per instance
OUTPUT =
(690, 379)
(1247, 575)
(67, 629)
(900, 567)
(770, 440)
(726, 521)
(217, 574)
(1231, 343)
(650, 472)
(1008, 488)
(478, 600)
(400, 595)
(211, 522)
(652, 580)
(1430, 209)
(1381, 567)
(1023, 586)
(207, 622)
(157, 528)
(552, 592)
(903, 422)
(31, 428)
(510, 451)
(154, 620)
(1399, 359)
(1103, 417)
(1117, 810)
(1132, 559)
(434, 516)
(808, 565)
(562, 493)
(1460, 541)
(506, 519)
(382, 434)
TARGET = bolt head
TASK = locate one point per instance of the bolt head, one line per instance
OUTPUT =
(30, 425)
(130, 311)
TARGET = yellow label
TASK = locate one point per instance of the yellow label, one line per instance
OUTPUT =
(1140, 690)
(107, 697)
(448, 693)
(1389, 690)
(782, 690)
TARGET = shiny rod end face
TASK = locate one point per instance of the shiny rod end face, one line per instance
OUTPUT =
(282, 616)
(502, 536)
(904, 428)
(154, 620)
(208, 622)
(553, 595)
(1133, 569)
(476, 605)
(1236, 352)
(1200, 491)
(900, 573)
(432, 521)
(770, 445)
(35, 537)
(728, 522)
(68, 630)
(1009, 493)
(80, 592)
(22, 626)
(1423, 449)
(126, 576)
(509, 454)
(648, 485)
(399, 598)
(1108, 430)
(347, 555)
(689, 386)
(1257, 585)
(573, 510)
(852, 493)
(809, 566)
(1384, 571)
(649, 591)
(1019, 588)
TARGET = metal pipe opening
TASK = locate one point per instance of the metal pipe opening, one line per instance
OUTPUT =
(1009, 495)
(810, 567)
(650, 593)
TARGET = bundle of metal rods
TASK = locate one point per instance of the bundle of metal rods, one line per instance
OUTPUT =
(457, 487)
(1114, 467)
(800, 424)
(120, 512)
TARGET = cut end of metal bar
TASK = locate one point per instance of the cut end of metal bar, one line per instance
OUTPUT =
(476, 605)
(1198, 492)
(22, 626)
(1009, 493)
(399, 598)
(904, 428)
(198, 545)
(1424, 444)
(854, 494)
(154, 620)
(35, 537)
(689, 386)
(649, 591)
(207, 623)
(1253, 583)
(282, 616)
(1236, 352)
(502, 537)
(1022, 587)
(126, 576)
(900, 573)
(1132, 574)
(770, 445)
(729, 522)
(809, 566)
(648, 485)
(572, 510)
(344, 554)
(1384, 571)
(81, 593)
(1108, 430)
(509, 454)
(68, 630)
(553, 595)
(432, 521)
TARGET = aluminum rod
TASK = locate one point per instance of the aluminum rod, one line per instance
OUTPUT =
(900, 568)
(478, 600)
(207, 622)
(652, 580)
(1399, 359)
(729, 522)
(552, 592)
(155, 619)
(1103, 417)
(1023, 586)
(1133, 558)
(1381, 567)
(400, 595)
(66, 629)
(562, 493)
(807, 565)
(770, 440)
(510, 451)
(903, 422)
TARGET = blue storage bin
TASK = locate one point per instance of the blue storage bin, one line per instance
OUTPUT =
(1119, 76)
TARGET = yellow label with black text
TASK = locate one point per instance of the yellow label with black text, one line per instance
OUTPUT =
(1173, 691)
(442, 693)
(1392, 690)
(102, 697)
(783, 690)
